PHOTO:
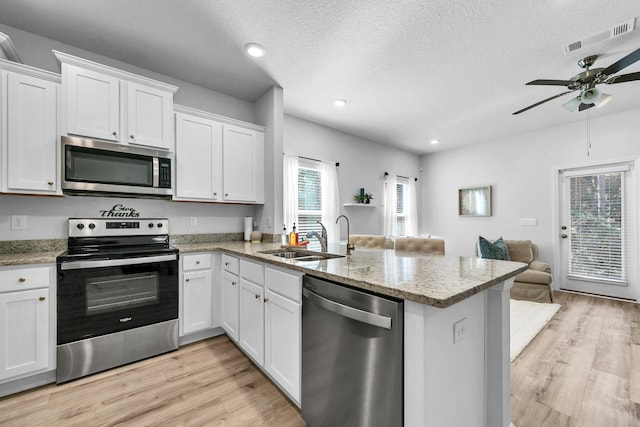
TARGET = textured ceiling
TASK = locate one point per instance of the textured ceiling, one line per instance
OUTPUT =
(410, 70)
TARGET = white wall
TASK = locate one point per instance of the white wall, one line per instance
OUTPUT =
(47, 216)
(521, 171)
(362, 165)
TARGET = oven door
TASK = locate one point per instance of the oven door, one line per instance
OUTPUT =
(99, 297)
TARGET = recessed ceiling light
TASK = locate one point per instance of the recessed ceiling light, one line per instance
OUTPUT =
(254, 49)
(434, 141)
(340, 103)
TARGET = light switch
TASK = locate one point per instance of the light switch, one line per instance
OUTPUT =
(193, 222)
(531, 222)
(459, 330)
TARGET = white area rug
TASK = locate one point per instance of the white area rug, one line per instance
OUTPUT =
(527, 319)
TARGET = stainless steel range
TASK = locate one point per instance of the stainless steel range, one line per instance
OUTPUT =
(117, 292)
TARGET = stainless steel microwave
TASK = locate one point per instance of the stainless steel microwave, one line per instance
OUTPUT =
(108, 169)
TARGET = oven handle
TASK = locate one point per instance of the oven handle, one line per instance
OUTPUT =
(74, 265)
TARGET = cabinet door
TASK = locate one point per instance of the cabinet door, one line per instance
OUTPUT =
(229, 309)
(31, 134)
(93, 103)
(24, 332)
(197, 301)
(239, 164)
(149, 114)
(252, 320)
(282, 342)
(199, 158)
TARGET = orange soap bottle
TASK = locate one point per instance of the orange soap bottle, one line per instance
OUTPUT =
(293, 236)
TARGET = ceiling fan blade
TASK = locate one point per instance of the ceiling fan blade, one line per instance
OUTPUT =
(547, 82)
(542, 102)
(622, 63)
(583, 107)
(623, 78)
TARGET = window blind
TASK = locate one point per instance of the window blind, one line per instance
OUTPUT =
(597, 245)
(401, 206)
(309, 202)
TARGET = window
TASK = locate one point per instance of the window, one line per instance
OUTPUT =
(309, 201)
(597, 250)
(401, 208)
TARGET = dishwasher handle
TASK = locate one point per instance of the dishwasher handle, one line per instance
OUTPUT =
(350, 312)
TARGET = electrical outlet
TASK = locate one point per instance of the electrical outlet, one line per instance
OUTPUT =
(18, 222)
(193, 221)
(459, 330)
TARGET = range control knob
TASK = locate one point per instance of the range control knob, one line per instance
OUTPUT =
(80, 226)
(92, 226)
(150, 225)
(159, 225)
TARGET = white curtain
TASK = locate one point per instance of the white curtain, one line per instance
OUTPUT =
(412, 209)
(289, 191)
(390, 208)
(331, 200)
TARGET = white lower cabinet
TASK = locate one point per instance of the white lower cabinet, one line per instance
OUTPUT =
(25, 329)
(282, 342)
(262, 312)
(197, 293)
(229, 304)
(251, 317)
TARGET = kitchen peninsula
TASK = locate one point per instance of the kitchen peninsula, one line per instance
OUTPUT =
(449, 379)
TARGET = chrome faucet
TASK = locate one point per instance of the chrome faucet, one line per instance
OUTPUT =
(349, 246)
(322, 238)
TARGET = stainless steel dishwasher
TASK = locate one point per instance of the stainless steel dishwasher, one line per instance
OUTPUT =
(352, 356)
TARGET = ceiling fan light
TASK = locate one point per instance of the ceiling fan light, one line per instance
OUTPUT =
(604, 100)
(573, 104)
(591, 96)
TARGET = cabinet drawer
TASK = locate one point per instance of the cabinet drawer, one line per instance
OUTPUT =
(230, 264)
(286, 284)
(20, 279)
(252, 271)
(196, 262)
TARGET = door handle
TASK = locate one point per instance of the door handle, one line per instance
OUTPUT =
(564, 236)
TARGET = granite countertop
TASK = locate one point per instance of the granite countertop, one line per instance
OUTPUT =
(435, 280)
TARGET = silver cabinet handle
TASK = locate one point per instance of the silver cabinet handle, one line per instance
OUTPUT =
(350, 312)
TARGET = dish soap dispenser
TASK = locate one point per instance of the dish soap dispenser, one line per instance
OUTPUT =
(293, 237)
(284, 239)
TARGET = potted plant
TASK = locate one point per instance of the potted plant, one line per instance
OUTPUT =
(363, 198)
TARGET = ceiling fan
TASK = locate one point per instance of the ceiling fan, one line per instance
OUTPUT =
(586, 82)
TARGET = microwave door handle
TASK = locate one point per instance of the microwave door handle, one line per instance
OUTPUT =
(76, 265)
(156, 172)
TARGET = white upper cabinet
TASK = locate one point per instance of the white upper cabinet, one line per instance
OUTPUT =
(199, 158)
(218, 159)
(149, 116)
(240, 158)
(93, 103)
(114, 105)
(29, 130)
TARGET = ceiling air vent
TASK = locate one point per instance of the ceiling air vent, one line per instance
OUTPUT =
(609, 34)
(621, 29)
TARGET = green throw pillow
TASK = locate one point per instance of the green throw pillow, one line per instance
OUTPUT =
(493, 250)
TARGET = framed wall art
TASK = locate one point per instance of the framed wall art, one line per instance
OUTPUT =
(474, 201)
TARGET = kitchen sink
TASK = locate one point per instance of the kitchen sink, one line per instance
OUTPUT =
(301, 255)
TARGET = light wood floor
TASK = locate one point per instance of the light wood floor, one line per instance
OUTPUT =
(210, 383)
(582, 370)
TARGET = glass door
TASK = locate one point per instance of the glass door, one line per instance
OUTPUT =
(598, 231)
